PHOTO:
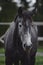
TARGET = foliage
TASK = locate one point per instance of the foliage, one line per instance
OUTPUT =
(39, 13)
(41, 7)
(8, 12)
(25, 3)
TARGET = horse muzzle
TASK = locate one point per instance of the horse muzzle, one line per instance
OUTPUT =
(28, 48)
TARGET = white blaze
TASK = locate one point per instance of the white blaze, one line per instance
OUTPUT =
(27, 39)
(25, 35)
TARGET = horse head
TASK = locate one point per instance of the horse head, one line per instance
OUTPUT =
(24, 26)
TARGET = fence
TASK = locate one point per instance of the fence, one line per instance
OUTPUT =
(36, 23)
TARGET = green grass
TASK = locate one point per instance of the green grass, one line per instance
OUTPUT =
(2, 60)
(39, 60)
(2, 50)
(40, 49)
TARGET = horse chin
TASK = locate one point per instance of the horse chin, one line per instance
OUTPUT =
(27, 50)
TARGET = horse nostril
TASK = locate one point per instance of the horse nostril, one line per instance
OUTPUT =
(24, 45)
(29, 47)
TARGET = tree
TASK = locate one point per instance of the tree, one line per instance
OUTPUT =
(8, 10)
(39, 10)
(5, 1)
(25, 3)
(41, 7)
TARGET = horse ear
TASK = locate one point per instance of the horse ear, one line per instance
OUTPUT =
(20, 10)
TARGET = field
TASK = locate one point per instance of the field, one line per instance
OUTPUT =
(2, 60)
(39, 59)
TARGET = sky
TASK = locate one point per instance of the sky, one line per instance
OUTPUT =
(27, 1)
(18, 1)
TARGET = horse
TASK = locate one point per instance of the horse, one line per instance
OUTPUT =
(21, 41)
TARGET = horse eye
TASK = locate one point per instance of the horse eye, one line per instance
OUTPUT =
(20, 25)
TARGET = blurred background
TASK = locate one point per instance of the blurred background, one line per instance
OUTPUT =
(8, 11)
